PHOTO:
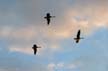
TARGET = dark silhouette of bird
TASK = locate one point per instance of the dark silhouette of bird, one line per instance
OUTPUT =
(78, 36)
(35, 48)
(48, 18)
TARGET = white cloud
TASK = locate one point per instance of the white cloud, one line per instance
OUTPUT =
(72, 66)
(51, 67)
(19, 33)
(61, 66)
(26, 50)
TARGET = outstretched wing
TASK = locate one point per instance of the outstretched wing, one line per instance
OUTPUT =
(39, 47)
(45, 17)
(78, 34)
(52, 16)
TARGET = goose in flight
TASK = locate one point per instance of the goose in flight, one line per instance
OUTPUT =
(78, 36)
(35, 48)
(48, 18)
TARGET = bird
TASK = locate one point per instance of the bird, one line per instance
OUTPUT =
(35, 48)
(78, 36)
(48, 18)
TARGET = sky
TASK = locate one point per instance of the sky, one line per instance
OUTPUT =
(22, 24)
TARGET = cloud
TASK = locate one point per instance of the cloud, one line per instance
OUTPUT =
(51, 67)
(61, 66)
(32, 29)
(22, 24)
(46, 51)
(26, 33)
(74, 17)
(22, 50)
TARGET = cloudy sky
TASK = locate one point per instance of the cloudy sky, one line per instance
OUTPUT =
(22, 24)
